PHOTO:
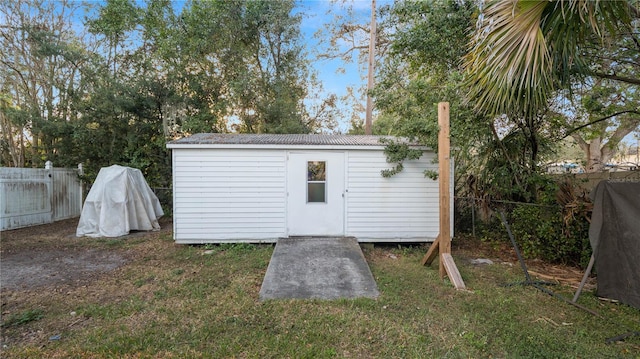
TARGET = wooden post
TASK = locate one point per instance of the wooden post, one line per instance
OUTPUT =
(432, 253)
(452, 271)
(442, 244)
(444, 170)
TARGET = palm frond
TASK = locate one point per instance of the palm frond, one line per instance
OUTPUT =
(522, 50)
(509, 64)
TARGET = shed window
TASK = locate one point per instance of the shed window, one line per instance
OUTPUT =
(316, 181)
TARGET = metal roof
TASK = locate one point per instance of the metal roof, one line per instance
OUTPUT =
(282, 139)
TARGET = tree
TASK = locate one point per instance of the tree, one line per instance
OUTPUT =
(115, 19)
(40, 60)
(239, 67)
(321, 111)
(524, 52)
(282, 68)
(603, 107)
(12, 145)
(371, 69)
(500, 155)
(598, 116)
(521, 50)
(353, 37)
(422, 67)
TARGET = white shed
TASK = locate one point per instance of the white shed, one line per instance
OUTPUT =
(258, 188)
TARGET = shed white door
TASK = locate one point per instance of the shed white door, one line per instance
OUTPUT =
(315, 186)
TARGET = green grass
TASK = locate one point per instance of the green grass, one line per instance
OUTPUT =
(175, 302)
(24, 317)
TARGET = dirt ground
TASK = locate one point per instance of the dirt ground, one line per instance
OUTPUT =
(539, 270)
(41, 268)
(47, 263)
(51, 254)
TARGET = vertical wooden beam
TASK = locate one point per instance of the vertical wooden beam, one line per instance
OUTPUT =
(444, 168)
(442, 244)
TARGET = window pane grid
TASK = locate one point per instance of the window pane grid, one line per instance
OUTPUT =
(316, 182)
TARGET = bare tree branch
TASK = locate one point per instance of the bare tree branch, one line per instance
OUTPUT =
(621, 132)
(343, 54)
(570, 132)
(12, 67)
(629, 80)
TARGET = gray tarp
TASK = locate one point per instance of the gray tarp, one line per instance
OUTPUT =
(615, 238)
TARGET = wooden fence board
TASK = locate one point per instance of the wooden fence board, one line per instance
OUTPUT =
(32, 196)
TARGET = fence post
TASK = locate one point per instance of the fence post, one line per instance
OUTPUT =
(80, 173)
(48, 166)
(473, 217)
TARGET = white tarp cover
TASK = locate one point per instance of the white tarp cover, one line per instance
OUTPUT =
(119, 201)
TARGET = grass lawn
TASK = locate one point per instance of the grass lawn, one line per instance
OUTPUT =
(174, 301)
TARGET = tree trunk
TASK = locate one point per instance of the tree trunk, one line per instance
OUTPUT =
(597, 155)
(8, 133)
(600, 151)
(372, 56)
(594, 156)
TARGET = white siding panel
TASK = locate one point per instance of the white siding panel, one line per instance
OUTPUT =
(404, 206)
(229, 195)
(236, 195)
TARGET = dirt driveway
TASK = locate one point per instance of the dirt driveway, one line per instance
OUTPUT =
(39, 256)
(43, 268)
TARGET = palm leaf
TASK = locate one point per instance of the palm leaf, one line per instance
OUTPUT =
(522, 50)
(509, 64)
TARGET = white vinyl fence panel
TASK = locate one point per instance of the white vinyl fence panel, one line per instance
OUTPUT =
(31, 196)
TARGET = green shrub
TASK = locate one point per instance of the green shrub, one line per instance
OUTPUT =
(541, 232)
(553, 228)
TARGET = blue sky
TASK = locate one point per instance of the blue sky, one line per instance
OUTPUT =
(336, 75)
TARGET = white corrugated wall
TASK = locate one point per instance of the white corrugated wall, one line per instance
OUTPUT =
(402, 207)
(229, 195)
(235, 195)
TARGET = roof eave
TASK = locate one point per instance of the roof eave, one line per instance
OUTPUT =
(280, 146)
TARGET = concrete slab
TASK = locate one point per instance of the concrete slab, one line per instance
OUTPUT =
(318, 268)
